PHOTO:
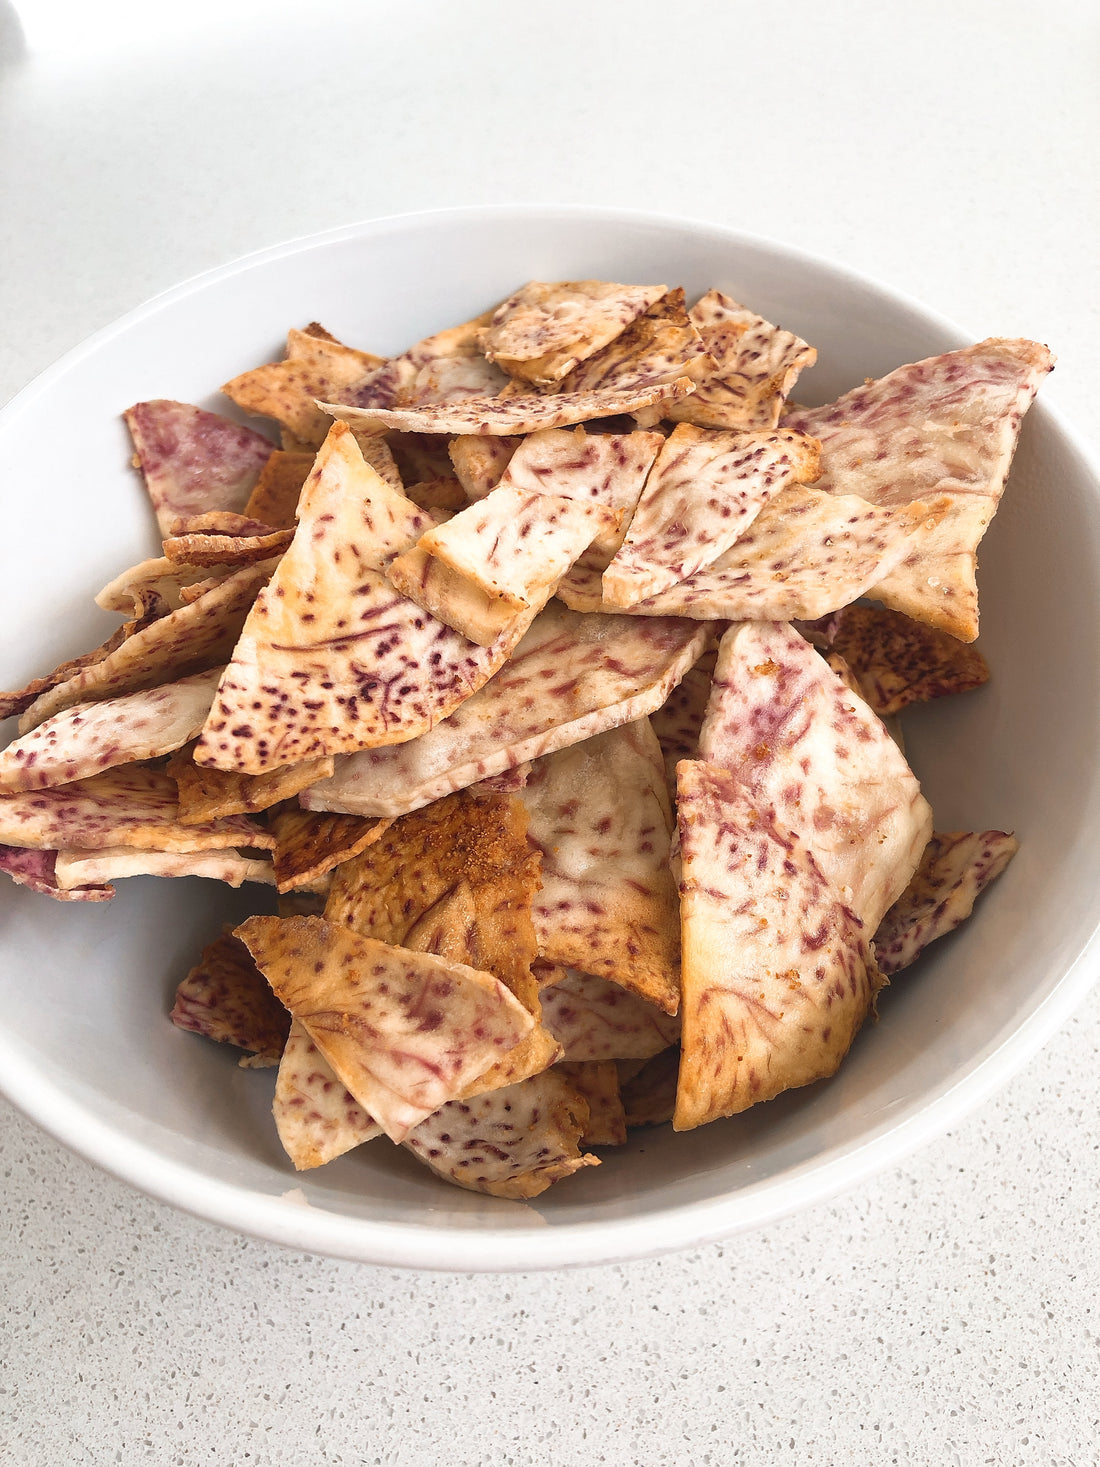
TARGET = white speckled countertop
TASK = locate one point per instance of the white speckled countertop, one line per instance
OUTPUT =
(943, 1313)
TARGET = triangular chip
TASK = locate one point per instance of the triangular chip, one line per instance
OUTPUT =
(946, 425)
(479, 462)
(207, 794)
(806, 553)
(600, 815)
(818, 762)
(227, 998)
(308, 844)
(954, 870)
(313, 367)
(274, 499)
(757, 365)
(703, 493)
(598, 1082)
(316, 1116)
(193, 639)
(658, 346)
(133, 805)
(193, 460)
(777, 971)
(545, 329)
(78, 868)
(405, 1032)
(570, 678)
(899, 661)
(90, 737)
(506, 417)
(331, 657)
(510, 1143)
(36, 870)
(593, 1019)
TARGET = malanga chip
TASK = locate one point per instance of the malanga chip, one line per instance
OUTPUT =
(479, 462)
(308, 844)
(158, 582)
(777, 971)
(36, 871)
(442, 368)
(680, 717)
(227, 998)
(316, 1116)
(594, 1019)
(658, 346)
(207, 794)
(405, 1032)
(648, 1094)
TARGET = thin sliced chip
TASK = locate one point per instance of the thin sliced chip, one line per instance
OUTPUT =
(510, 1143)
(36, 870)
(598, 1082)
(316, 1116)
(76, 868)
(806, 553)
(593, 1019)
(313, 367)
(817, 761)
(91, 737)
(954, 870)
(416, 456)
(307, 845)
(757, 365)
(704, 492)
(480, 462)
(160, 578)
(600, 816)
(506, 417)
(452, 598)
(649, 1094)
(899, 661)
(192, 460)
(442, 368)
(658, 346)
(570, 678)
(133, 805)
(193, 639)
(604, 468)
(777, 971)
(227, 998)
(208, 794)
(680, 717)
(200, 548)
(331, 658)
(435, 494)
(274, 499)
(545, 329)
(405, 1032)
(946, 425)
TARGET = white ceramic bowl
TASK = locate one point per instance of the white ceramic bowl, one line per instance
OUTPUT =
(86, 1049)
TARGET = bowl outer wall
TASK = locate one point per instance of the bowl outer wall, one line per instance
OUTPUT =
(85, 1050)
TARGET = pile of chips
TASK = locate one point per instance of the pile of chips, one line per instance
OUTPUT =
(550, 671)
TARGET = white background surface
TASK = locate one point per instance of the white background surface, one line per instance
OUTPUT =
(944, 1313)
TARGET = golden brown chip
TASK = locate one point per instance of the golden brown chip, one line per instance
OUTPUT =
(195, 546)
(598, 1082)
(480, 462)
(649, 1094)
(274, 500)
(81, 868)
(545, 329)
(307, 844)
(317, 1118)
(227, 998)
(444, 493)
(207, 794)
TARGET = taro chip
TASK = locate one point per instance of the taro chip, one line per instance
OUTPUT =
(90, 737)
(657, 346)
(36, 870)
(543, 331)
(317, 1118)
(648, 1094)
(405, 1032)
(445, 367)
(480, 462)
(598, 1082)
(777, 971)
(438, 494)
(704, 492)
(193, 461)
(600, 816)
(307, 845)
(208, 794)
(274, 499)
(224, 540)
(680, 717)
(818, 761)
(78, 868)
(594, 1019)
(160, 582)
(227, 998)
(513, 1142)
(954, 870)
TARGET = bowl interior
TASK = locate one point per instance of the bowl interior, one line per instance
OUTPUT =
(85, 1046)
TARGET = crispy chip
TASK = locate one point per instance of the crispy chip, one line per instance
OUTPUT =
(193, 639)
(658, 346)
(509, 1143)
(505, 417)
(36, 870)
(649, 1095)
(274, 500)
(818, 762)
(598, 1082)
(77, 868)
(570, 678)
(198, 547)
(946, 425)
(544, 330)
(899, 661)
(162, 579)
(316, 1116)
(207, 794)
(442, 368)
(757, 365)
(600, 815)
(954, 870)
(307, 845)
(133, 805)
(404, 1031)
(480, 462)
(90, 737)
(435, 494)
(227, 998)
(593, 1019)
(704, 492)
(313, 367)
(777, 971)
(680, 717)
(192, 460)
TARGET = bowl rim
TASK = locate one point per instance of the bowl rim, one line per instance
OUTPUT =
(506, 1248)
